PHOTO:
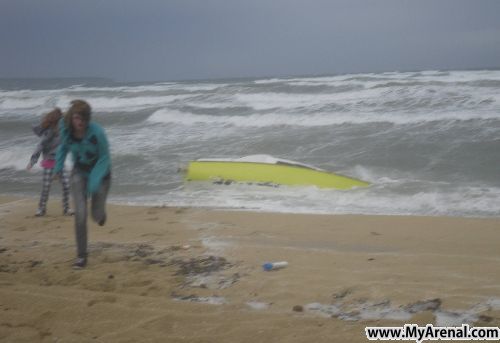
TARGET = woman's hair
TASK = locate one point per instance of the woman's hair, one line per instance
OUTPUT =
(51, 119)
(79, 107)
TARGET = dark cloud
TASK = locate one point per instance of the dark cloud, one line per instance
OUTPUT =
(184, 39)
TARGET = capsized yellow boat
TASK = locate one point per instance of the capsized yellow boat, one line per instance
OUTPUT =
(267, 170)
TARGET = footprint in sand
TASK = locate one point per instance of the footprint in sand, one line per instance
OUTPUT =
(113, 258)
(72, 279)
(137, 283)
(109, 299)
(153, 235)
(155, 290)
(107, 285)
(47, 315)
(115, 230)
(34, 263)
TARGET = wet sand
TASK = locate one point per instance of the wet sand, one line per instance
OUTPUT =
(195, 275)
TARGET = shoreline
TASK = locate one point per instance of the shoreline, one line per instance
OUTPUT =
(56, 197)
(195, 274)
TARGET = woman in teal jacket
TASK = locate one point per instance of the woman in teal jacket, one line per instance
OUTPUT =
(91, 173)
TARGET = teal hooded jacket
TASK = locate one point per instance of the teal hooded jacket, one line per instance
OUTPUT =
(90, 154)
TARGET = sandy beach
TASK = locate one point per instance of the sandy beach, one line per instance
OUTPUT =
(159, 274)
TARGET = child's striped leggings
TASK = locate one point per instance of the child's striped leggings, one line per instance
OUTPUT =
(47, 181)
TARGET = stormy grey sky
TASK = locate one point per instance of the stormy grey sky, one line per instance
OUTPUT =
(198, 39)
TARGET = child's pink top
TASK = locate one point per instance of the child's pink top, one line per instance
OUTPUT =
(48, 164)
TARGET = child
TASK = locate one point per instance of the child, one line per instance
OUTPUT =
(48, 131)
(91, 175)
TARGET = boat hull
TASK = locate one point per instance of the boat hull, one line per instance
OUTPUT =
(268, 173)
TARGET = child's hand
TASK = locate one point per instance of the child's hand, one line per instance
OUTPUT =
(29, 166)
(56, 176)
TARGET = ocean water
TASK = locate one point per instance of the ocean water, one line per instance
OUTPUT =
(429, 142)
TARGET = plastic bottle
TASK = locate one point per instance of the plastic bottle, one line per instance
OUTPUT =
(274, 265)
